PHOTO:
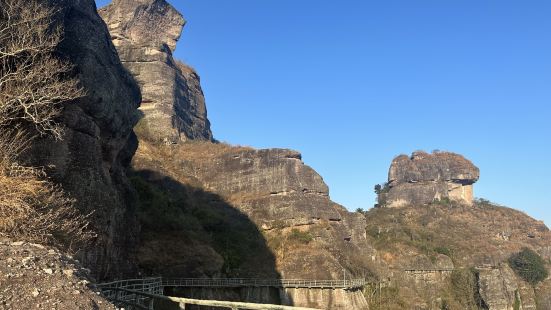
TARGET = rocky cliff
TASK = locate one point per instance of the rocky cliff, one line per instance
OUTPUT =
(286, 201)
(304, 234)
(422, 178)
(241, 212)
(145, 33)
(458, 253)
(98, 142)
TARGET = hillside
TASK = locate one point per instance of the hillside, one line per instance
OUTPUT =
(475, 241)
(453, 253)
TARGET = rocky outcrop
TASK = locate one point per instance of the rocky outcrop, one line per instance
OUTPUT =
(501, 289)
(98, 143)
(310, 236)
(423, 178)
(145, 33)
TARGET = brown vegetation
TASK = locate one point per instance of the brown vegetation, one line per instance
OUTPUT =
(31, 207)
(33, 86)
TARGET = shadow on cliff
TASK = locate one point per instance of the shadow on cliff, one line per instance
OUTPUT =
(189, 232)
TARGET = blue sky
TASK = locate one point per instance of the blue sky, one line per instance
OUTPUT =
(351, 84)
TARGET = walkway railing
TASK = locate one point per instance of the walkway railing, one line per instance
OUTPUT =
(142, 293)
(209, 303)
(131, 292)
(284, 283)
(425, 270)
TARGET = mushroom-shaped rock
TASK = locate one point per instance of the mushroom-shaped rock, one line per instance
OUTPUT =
(422, 178)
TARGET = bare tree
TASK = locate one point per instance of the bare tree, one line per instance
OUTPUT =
(34, 83)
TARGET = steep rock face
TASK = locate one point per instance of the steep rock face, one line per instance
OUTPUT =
(500, 289)
(306, 235)
(310, 236)
(145, 33)
(423, 178)
(98, 143)
(279, 192)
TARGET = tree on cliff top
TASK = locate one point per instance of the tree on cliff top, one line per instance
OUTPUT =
(34, 83)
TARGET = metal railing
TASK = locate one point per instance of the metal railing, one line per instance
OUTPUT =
(284, 283)
(210, 303)
(142, 293)
(129, 292)
(413, 270)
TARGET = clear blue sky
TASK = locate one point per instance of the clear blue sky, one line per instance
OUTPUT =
(352, 84)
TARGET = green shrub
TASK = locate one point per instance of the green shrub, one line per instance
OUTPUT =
(444, 250)
(464, 289)
(381, 190)
(529, 266)
(300, 236)
(516, 305)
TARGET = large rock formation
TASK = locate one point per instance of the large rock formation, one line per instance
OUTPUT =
(310, 236)
(424, 178)
(298, 231)
(145, 33)
(98, 143)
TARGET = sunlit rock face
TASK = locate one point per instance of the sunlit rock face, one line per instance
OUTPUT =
(423, 178)
(145, 33)
(310, 236)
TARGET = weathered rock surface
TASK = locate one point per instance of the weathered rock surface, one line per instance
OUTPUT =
(145, 33)
(500, 288)
(310, 236)
(423, 178)
(36, 277)
(98, 143)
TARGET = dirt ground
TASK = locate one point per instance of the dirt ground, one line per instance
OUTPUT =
(33, 276)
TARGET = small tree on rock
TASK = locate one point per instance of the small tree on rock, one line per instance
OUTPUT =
(529, 266)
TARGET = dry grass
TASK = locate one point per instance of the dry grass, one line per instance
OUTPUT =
(185, 68)
(199, 150)
(31, 207)
(34, 86)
